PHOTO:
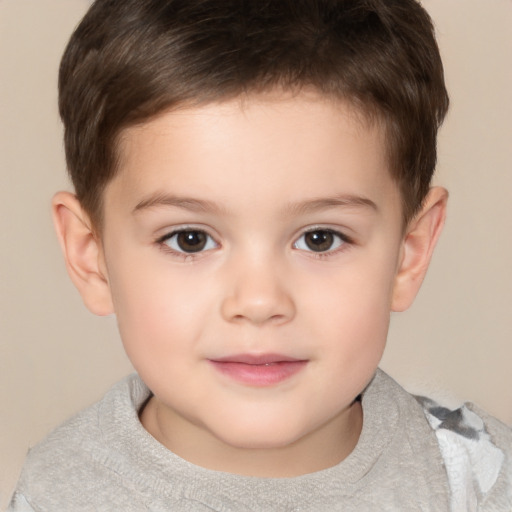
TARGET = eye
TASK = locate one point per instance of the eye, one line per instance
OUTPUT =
(189, 241)
(320, 240)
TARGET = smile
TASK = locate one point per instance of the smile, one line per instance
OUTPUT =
(258, 370)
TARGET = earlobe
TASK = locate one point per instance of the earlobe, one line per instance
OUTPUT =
(418, 245)
(83, 253)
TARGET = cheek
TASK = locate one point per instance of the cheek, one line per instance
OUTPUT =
(351, 304)
(160, 312)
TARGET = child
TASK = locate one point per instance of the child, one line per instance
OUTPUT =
(252, 200)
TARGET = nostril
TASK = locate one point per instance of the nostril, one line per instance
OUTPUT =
(258, 312)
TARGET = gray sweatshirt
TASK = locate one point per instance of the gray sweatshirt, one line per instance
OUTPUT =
(412, 455)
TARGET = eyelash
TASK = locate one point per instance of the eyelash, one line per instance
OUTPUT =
(344, 242)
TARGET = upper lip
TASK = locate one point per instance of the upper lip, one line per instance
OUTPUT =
(256, 359)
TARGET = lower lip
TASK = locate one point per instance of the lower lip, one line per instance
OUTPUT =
(259, 375)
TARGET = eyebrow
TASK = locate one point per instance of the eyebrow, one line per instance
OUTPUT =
(187, 203)
(347, 201)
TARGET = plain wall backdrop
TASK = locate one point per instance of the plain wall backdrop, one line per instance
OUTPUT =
(456, 341)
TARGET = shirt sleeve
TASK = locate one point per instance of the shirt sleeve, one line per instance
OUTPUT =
(476, 450)
(19, 504)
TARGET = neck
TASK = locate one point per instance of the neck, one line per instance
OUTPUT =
(323, 448)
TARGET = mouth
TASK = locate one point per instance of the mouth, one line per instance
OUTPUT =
(258, 370)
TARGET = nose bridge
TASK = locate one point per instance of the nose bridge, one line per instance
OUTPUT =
(257, 291)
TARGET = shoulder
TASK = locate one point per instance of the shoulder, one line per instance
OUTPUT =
(75, 458)
(477, 453)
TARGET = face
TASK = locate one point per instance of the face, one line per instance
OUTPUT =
(251, 250)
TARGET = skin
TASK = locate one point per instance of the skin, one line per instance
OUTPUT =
(254, 176)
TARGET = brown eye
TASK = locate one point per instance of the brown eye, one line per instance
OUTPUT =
(320, 240)
(189, 241)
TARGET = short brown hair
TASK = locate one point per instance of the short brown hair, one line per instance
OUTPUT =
(129, 60)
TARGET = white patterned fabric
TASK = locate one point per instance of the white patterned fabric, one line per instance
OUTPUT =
(473, 461)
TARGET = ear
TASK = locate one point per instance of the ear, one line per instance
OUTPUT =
(83, 253)
(417, 247)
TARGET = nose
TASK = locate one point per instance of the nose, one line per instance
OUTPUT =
(258, 293)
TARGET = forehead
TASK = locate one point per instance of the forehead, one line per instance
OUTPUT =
(293, 110)
(255, 144)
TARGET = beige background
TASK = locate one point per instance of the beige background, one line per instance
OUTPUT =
(456, 342)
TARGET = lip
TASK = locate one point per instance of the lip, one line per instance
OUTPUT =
(258, 370)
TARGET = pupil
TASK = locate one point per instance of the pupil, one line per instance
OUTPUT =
(191, 241)
(319, 241)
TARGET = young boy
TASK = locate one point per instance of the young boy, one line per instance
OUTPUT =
(252, 201)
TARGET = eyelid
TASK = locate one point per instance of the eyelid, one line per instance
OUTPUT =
(179, 228)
